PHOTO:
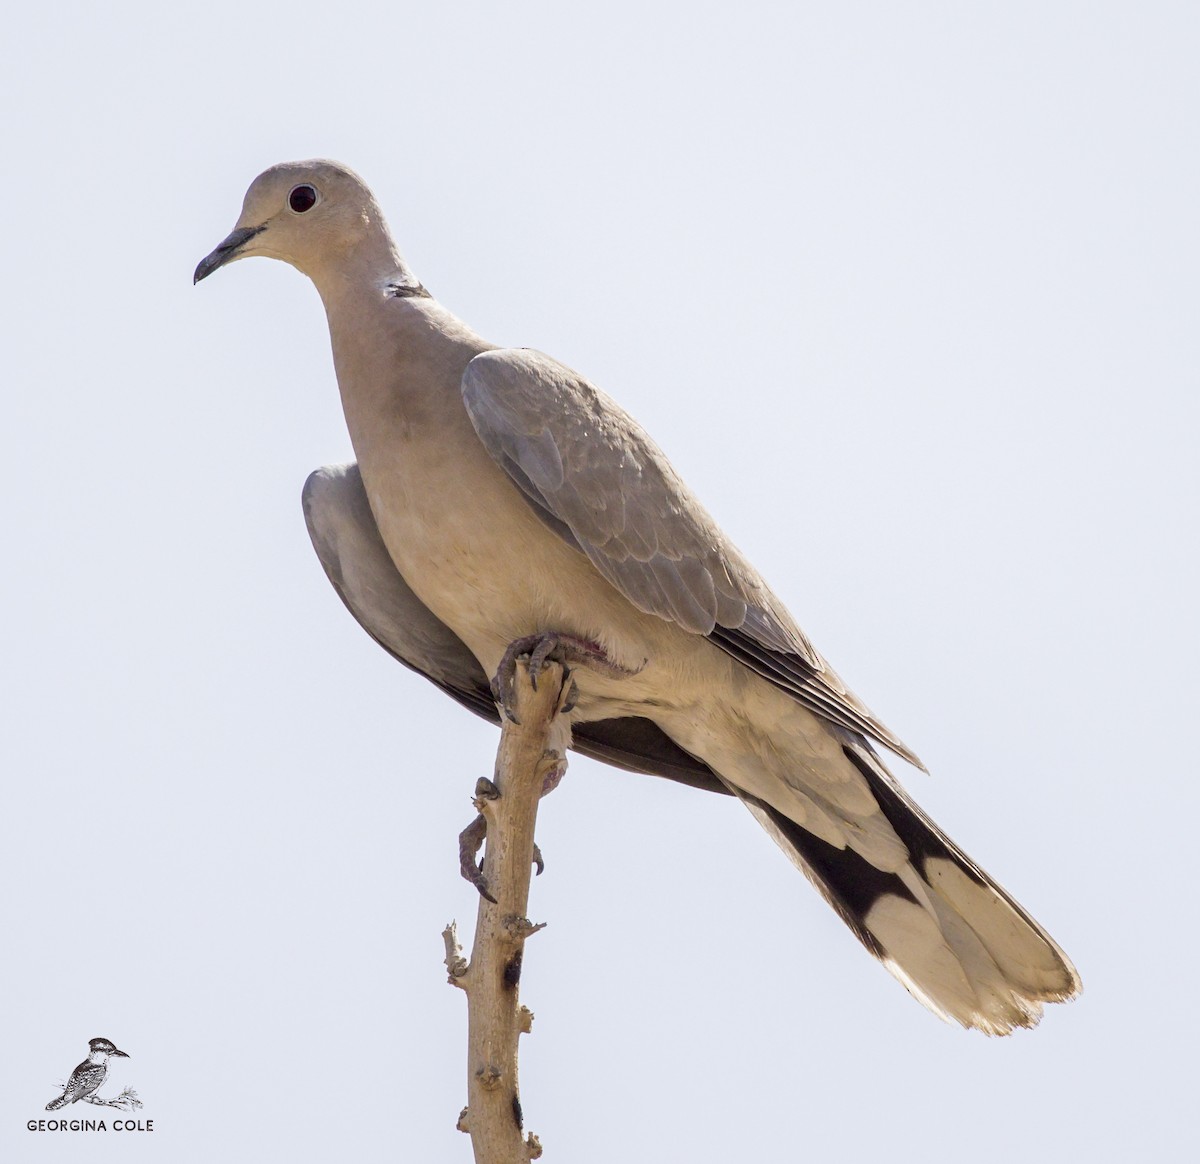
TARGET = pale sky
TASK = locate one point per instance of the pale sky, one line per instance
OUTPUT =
(909, 293)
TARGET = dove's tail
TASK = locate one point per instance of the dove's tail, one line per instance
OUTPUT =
(55, 1104)
(956, 940)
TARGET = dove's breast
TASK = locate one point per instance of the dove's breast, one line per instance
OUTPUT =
(459, 531)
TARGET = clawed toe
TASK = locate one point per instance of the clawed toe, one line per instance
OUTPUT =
(543, 651)
(551, 646)
(470, 841)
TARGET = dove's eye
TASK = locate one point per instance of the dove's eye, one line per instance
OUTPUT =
(302, 198)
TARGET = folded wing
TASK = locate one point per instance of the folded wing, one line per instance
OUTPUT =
(595, 477)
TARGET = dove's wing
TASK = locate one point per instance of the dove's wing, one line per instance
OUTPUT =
(596, 478)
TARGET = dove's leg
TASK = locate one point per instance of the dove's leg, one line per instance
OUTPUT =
(539, 649)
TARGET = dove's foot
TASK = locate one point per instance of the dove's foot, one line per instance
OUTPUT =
(568, 650)
(470, 841)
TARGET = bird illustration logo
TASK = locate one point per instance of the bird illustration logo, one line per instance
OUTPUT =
(89, 1077)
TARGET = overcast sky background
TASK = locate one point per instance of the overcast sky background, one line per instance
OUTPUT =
(909, 293)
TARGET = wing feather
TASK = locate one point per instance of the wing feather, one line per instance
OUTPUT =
(595, 477)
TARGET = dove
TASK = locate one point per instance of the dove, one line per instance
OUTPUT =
(502, 506)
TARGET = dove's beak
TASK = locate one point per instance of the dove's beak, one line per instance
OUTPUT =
(229, 250)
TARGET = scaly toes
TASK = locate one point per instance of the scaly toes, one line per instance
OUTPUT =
(470, 841)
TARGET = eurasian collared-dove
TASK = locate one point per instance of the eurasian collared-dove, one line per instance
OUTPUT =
(502, 496)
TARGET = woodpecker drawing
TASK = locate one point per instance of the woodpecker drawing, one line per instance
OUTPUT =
(89, 1076)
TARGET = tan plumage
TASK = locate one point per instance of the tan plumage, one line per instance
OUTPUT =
(513, 497)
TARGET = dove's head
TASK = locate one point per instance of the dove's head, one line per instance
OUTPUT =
(316, 215)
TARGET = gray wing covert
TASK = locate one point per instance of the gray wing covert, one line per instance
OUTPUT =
(606, 487)
(595, 477)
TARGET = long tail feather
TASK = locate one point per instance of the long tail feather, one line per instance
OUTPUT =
(956, 940)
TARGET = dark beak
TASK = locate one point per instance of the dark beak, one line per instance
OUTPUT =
(226, 252)
(121, 1053)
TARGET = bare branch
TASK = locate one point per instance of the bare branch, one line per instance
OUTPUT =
(525, 766)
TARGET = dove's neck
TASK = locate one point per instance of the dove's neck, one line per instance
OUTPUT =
(370, 261)
(399, 357)
(399, 364)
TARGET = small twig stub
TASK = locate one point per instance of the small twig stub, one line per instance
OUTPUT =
(456, 964)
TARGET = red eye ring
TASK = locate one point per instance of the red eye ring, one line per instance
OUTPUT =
(302, 198)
